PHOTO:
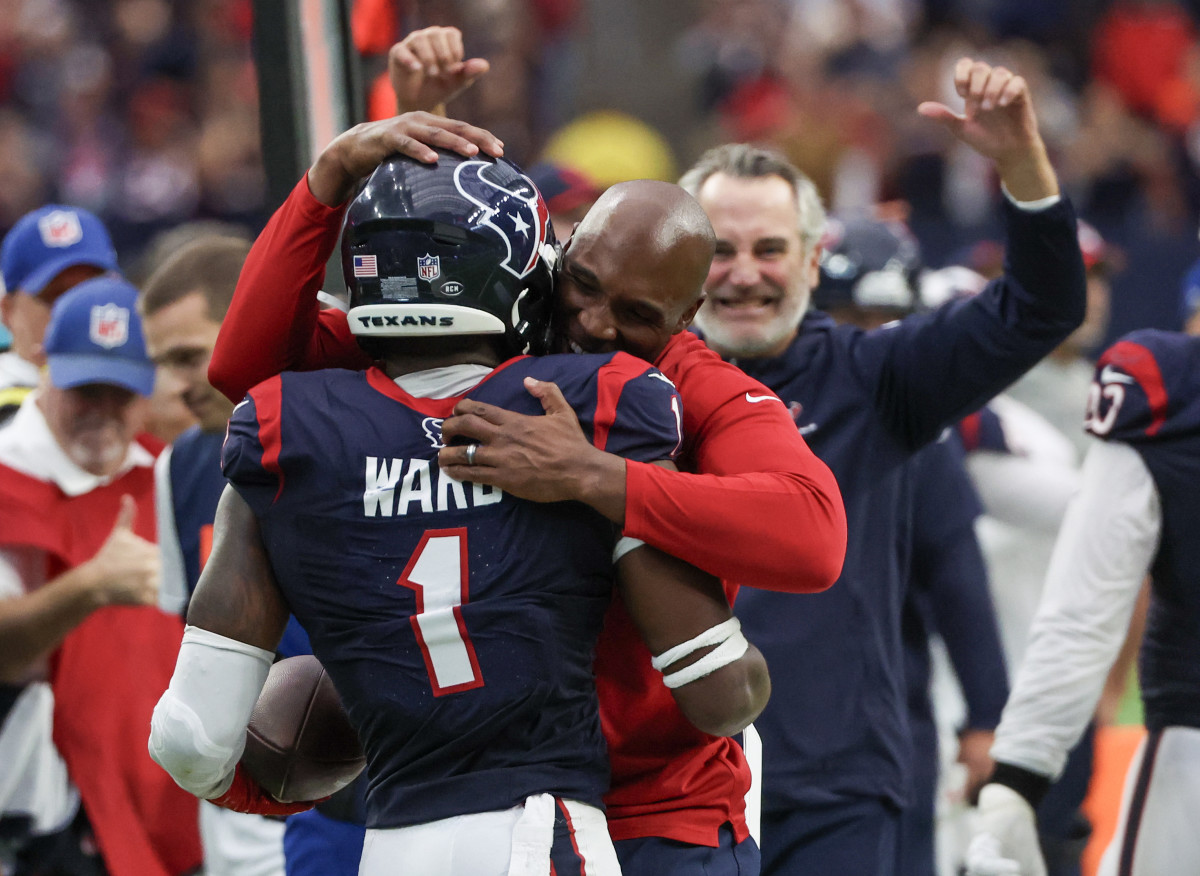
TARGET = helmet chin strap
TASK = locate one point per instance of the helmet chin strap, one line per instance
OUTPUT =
(520, 326)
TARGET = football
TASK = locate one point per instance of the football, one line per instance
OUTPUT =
(300, 745)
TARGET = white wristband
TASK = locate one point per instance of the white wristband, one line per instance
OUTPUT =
(712, 636)
(731, 645)
(727, 652)
(625, 544)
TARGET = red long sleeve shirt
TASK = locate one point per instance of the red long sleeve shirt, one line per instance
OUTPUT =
(759, 509)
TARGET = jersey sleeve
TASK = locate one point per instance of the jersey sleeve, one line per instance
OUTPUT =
(931, 369)
(1131, 398)
(639, 414)
(275, 322)
(1103, 552)
(250, 454)
(757, 484)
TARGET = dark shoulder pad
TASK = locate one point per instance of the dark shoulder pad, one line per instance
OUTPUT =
(1146, 386)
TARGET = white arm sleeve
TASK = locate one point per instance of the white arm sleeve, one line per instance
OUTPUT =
(1104, 550)
(173, 591)
(198, 729)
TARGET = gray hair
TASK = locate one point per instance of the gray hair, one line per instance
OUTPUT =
(745, 161)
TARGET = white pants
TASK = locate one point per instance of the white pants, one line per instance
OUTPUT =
(509, 842)
(1159, 810)
(237, 844)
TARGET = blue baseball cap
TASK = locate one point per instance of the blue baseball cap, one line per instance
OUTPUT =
(95, 336)
(47, 241)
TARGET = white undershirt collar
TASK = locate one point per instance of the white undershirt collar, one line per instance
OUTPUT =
(444, 382)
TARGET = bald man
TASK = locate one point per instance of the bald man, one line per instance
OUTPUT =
(629, 279)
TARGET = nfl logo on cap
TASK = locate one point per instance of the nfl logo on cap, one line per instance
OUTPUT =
(60, 228)
(429, 267)
(109, 326)
(95, 336)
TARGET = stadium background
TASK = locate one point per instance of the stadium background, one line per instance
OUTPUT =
(148, 113)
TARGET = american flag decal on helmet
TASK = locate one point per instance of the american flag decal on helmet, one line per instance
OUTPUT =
(364, 266)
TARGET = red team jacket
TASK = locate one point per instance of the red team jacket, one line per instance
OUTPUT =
(758, 510)
(107, 676)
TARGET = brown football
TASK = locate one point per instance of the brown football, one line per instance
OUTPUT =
(300, 745)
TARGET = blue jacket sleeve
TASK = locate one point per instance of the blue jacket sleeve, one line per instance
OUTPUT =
(931, 369)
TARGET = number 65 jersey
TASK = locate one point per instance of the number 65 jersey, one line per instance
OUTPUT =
(457, 622)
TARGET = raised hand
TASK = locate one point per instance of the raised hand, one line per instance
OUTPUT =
(127, 569)
(356, 153)
(427, 69)
(998, 121)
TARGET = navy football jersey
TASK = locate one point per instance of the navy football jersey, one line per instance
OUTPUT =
(457, 622)
(1146, 393)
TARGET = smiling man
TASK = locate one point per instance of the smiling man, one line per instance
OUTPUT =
(836, 777)
(766, 261)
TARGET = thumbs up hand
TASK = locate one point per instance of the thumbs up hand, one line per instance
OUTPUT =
(127, 569)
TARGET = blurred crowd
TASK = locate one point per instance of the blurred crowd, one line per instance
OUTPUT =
(142, 111)
(145, 111)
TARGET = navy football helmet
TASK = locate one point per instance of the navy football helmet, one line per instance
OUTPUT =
(870, 264)
(462, 247)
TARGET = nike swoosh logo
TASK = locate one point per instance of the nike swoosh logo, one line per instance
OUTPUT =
(1108, 374)
(809, 429)
(757, 398)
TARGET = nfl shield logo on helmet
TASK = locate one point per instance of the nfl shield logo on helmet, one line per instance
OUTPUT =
(60, 228)
(429, 267)
(109, 326)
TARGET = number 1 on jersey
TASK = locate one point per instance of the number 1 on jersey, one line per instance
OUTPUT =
(437, 575)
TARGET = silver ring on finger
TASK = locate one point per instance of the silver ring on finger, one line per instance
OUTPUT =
(472, 449)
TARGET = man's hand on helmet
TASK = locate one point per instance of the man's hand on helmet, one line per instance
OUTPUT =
(356, 153)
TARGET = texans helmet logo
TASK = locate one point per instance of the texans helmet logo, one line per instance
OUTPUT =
(512, 209)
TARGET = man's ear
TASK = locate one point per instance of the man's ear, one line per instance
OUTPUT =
(812, 266)
(685, 319)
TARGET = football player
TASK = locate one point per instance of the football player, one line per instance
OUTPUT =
(457, 622)
(1135, 514)
(632, 275)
